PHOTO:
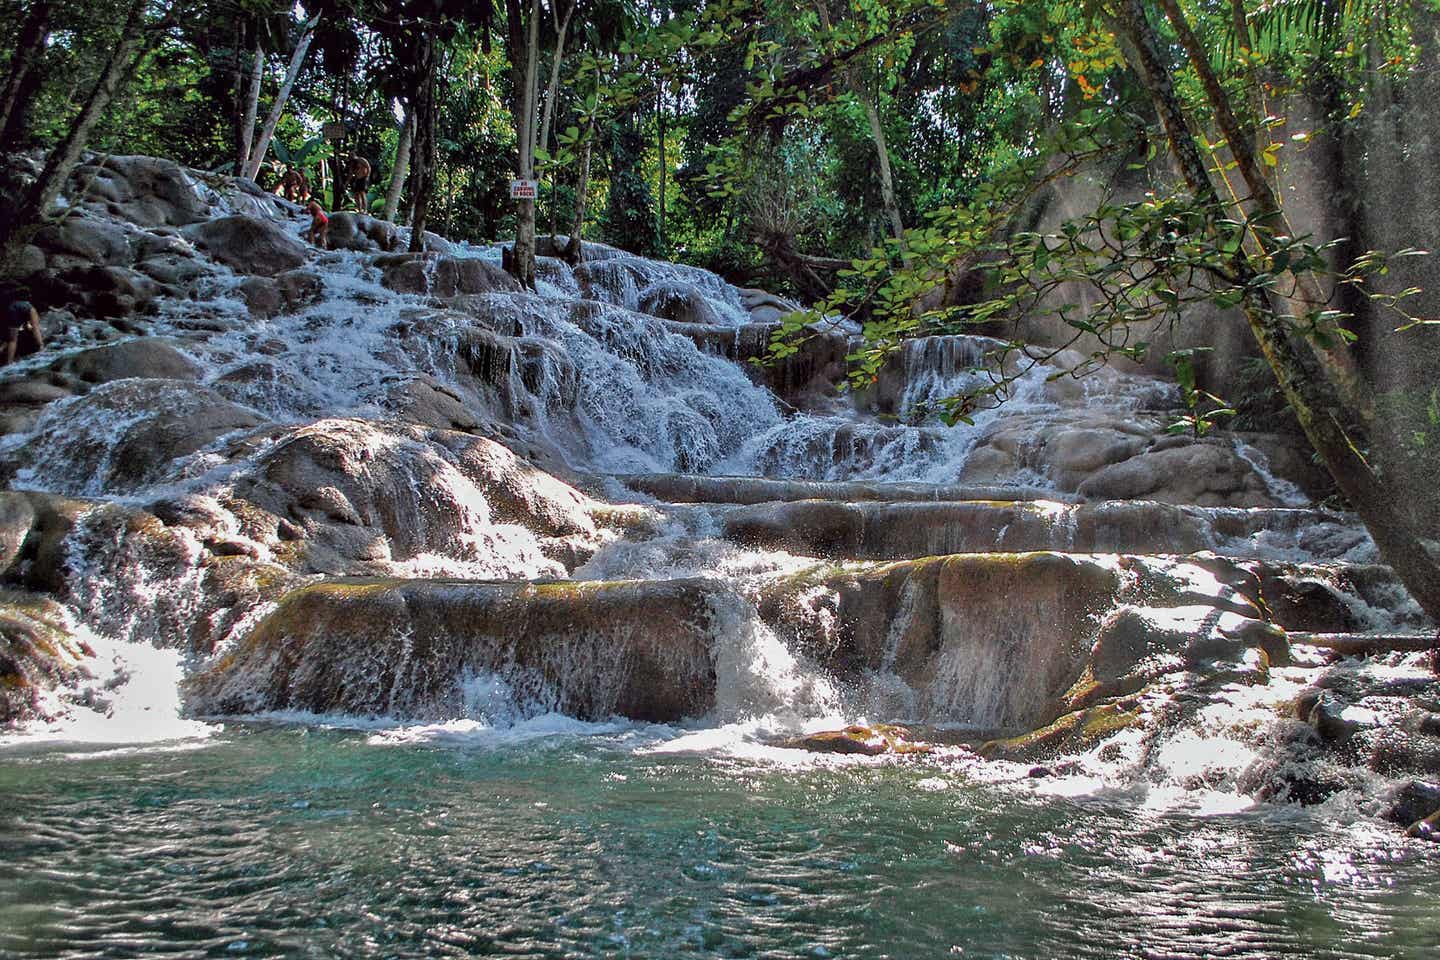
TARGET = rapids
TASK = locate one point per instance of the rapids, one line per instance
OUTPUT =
(409, 618)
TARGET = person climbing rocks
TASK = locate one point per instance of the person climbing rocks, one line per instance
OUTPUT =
(22, 332)
(319, 232)
(358, 170)
(294, 185)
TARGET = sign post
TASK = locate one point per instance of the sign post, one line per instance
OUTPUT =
(524, 189)
(334, 130)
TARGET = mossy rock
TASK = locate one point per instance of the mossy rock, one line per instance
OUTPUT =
(38, 654)
(871, 741)
(1072, 733)
(402, 649)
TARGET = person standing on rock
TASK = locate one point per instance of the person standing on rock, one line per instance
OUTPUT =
(319, 232)
(358, 169)
(22, 332)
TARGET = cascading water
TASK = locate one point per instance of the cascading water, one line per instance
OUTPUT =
(609, 368)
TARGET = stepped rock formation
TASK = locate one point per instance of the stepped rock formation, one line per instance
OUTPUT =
(374, 483)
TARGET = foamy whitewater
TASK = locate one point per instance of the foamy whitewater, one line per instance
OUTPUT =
(612, 391)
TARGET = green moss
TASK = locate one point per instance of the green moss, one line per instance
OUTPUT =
(1079, 730)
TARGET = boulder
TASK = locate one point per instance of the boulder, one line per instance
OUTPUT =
(1207, 474)
(868, 741)
(678, 301)
(38, 654)
(29, 259)
(291, 291)
(17, 517)
(381, 493)
(124, 435)
(33, 529)
(445, 276)
(431, 649)
(90, 240)
(766, 307)
(146, 191)
(151, 358)
(987, 640)
(426, 401)
(361, 232)
(249, 245)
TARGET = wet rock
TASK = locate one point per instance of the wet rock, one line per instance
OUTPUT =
(29, 260)
(38, 654)
(289, 292)
(1207, 474)
(1071, 733)
(249, 245)
(398, 493)
(17, 517)
(89, 240)
(445, 276)
(399, 648)
(1305, 601)
(154, 358)
(361, 232)
(426, 401)
(1427, 829)
(766, 307)
(678, 301)
(869, 741)
(124, 434)
(682, 488)
(1411, 802)
(1393, 751)
(992, 641)
(146, 191)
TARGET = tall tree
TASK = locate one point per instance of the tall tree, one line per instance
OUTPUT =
(136, 36)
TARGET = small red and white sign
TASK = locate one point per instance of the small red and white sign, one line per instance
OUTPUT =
(524, 189)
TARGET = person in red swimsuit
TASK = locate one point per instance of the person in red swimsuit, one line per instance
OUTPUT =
(319, 232)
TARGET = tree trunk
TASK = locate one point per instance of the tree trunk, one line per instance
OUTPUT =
(553, 90)
(123, 60)
(422, 151)
(29, 48)
(887, 182)
(523, 261)
(1266, 206)
(252, 109)
(402, 164)
(277, 109)
(877, 137)
(1315, 399)
(574, 247)
(660, 145)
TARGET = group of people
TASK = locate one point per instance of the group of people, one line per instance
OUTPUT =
(295, 187)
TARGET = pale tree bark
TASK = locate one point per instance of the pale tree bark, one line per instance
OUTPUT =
(124, 59)
(562, 29)
(660, 133)
(277, 109)
(523, 260)
(877, 137)
(29, 48)
(582, 187)
(887, 180)
(1315, 399)
(402, 165)
(252, 108)
(1263, 201)
(422, 151)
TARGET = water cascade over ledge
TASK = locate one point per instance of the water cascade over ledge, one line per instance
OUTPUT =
(360, 486)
